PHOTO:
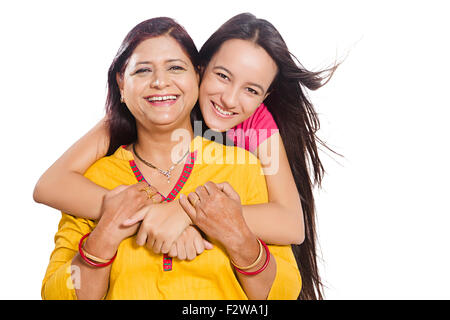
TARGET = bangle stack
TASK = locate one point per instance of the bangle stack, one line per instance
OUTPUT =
(90, 259)
(257, 261)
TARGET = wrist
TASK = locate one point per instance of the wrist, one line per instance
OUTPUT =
(244, 250)
(101, 244)
(180, 211)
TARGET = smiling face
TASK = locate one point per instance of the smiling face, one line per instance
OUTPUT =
(159, 84)
(235, 83)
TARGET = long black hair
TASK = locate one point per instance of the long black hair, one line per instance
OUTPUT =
(121, 123)
(297, 121)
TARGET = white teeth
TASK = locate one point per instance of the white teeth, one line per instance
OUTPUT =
(164, 98)
(226, 113)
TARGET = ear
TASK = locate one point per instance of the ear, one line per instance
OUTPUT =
(201, 70)
(119, 80)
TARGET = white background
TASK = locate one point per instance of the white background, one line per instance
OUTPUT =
(382, 212)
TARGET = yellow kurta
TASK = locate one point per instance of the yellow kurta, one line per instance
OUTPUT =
(137, 273)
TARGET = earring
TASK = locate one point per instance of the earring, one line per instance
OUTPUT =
(121, 99)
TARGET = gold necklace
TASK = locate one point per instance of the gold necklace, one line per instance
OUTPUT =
(167, 173)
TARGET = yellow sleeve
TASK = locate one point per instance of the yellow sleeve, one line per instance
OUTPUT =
(288, 282)
(256, 184)
(60, 277)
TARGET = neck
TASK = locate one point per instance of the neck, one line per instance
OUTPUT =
(163, 148)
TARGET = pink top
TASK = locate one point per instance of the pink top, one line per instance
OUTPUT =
(253, 131)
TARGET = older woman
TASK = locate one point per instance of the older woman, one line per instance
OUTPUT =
(155, 89)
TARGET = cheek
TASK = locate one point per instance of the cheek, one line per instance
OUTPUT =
(249, 105)
(133, 87)
(189, 89)
(210, 86)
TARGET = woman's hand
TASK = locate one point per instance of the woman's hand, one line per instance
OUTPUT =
(118, 206)
(161, 226)
(216, 209)
(189, 245)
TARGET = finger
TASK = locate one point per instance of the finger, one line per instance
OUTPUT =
(173, 251)
(155, 246)
(211, 187)
(190, 250)
(226, 188)
(118, 189)
(199, 245)
(187, 207)
(147, 191)
(138, 187)
(135, 218)
(166, 246)
(208, 245)
(141, 184)
(181, 251)
(194, 199)
(156, 198)
(202, 193)
(141, 237)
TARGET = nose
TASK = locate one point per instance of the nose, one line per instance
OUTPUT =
(159, 80)
(230, 97)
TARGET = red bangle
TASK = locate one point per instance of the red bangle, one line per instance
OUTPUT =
(266, 263)
(87, 260)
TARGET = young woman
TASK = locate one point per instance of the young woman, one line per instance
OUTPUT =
(244, 63)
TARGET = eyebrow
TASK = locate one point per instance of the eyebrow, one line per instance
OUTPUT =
(249, 83)
(167, 61)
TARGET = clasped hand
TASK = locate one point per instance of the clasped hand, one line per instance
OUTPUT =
(161, 227)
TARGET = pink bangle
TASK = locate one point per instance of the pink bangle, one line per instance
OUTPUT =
(266, 263)
(87, 260)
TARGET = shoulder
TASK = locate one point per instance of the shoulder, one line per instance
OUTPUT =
(111, 171)
(254, 130)
(260, 119)
(240, 168)
(214, 153)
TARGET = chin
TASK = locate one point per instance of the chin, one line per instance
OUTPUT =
(217, 126)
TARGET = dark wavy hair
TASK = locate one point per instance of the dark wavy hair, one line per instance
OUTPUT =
(121, 123)
(297, 121)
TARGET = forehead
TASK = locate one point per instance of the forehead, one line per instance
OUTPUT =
(244, 57)
(158, 49)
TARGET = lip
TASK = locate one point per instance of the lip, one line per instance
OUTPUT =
(162, 103)
(220, 114)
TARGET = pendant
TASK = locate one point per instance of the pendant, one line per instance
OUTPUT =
(166, 174)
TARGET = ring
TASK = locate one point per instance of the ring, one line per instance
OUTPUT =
(150, 193)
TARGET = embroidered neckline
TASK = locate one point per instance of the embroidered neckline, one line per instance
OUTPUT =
(185, 174)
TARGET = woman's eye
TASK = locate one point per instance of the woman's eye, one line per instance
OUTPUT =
(177, 68)
(142, 70)
(222, 75)
(252, 90)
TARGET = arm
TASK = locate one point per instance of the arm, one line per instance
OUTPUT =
(228, 227)
(281, 278)
(63, 186)
(68, 276)
(280, 221)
